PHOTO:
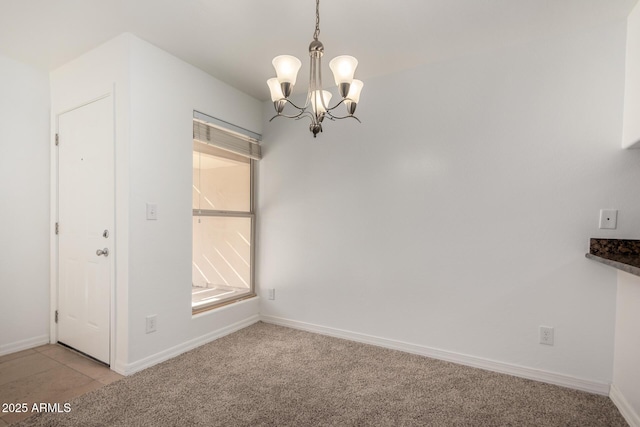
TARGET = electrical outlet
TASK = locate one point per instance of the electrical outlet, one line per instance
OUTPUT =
(546, 335)
(271, 294)
(152, 323)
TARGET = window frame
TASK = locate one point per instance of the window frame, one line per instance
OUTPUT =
(251, 214)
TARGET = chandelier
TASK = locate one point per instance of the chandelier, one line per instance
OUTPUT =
(316, 107)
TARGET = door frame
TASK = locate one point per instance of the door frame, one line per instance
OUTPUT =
(54, 217)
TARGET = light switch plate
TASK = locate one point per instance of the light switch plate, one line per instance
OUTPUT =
(152, 211)
(608, 219)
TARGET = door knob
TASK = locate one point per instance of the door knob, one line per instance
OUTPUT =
(104, 252)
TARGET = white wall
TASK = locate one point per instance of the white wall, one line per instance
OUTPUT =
(626, 375)
(24, 215)
(457, 215)
(155, 97)
(164, 93)
(631, 126)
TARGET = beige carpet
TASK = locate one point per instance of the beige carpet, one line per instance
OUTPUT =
(267, 375)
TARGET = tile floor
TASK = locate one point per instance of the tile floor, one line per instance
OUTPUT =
(47, 374)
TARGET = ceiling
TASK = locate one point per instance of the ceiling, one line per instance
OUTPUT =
(235, 40)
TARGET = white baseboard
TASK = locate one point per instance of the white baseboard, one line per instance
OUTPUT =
(130, 368)
(462, 359)
(23, 345)
(627, 411)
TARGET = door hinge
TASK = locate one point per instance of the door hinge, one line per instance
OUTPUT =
(57, 228)
(56, 316)
(57, 139)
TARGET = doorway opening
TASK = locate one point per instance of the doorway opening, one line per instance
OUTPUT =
(84, 230)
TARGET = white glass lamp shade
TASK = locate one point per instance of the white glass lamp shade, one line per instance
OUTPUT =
(354, 90)
(287, 67)
(343, 67)
(317, 102)
(275, 89)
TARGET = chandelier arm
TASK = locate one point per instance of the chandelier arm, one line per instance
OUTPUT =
(336, 106)
(309, 89)
(320, 78)
(302, 112)
(285, 116)
(340, 117)
(305, 114)
(294, 105)
(308, 100)
(313, 80)
(332, 117)
(313, 88)
(297, 116)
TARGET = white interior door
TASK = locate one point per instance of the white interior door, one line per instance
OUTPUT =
(86, 219)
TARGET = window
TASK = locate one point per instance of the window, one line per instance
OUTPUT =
(223, 216)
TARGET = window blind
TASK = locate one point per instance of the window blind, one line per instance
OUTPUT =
(234, 140)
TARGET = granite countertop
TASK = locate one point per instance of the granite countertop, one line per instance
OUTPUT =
(618, 253)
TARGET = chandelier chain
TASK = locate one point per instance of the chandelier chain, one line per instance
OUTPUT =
(316, 33)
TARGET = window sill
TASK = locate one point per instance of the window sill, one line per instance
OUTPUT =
(216, 305)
